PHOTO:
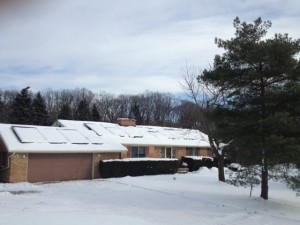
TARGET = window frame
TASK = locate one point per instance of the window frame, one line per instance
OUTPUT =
(192, 151)
(138, 152)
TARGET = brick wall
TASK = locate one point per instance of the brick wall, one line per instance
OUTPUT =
(154, 152)
(205, 152)
(18, 168)
(180, 152)
(125, 154)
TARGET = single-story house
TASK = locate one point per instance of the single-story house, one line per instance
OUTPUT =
(38, 153)
(72, 150)
(147, 141)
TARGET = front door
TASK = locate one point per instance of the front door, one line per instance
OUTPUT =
(168, 153)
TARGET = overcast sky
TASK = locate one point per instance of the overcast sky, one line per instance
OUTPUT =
(122, 46)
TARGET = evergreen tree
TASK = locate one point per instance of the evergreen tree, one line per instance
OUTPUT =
(82, 111)
(21, 108)
(39, 111)
(95, 113)
(135, 113)
(253, 74)
(65, 112)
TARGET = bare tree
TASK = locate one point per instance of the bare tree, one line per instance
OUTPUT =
(205, 97)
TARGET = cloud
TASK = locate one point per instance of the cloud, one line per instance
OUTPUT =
(121, 46)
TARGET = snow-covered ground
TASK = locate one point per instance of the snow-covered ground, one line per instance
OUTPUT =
(192, 198)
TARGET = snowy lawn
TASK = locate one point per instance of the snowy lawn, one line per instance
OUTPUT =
(180, 199)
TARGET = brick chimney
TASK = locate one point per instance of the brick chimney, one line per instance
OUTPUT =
(126, 122)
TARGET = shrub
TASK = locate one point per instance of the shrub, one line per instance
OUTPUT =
(194, 163)
(137, 167)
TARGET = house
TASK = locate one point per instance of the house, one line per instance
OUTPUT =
(38, 154)
(147, 141)
(72, 150)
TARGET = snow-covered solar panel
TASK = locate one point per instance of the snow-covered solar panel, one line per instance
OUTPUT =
(97, 128)
(95, 140)
(74, 136)
(52, 135)
(193, 135)
(28, 134)
(132, 131)
(117, 131)
(173, 133)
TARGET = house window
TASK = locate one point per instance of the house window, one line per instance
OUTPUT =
(173, 152)
(163, 152)
(192, 151)
(138, 152)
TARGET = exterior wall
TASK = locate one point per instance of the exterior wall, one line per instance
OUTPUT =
(17, 171)
(155, 152)
(180, 153)
(125, 154)
(102, 156)
(205, 152)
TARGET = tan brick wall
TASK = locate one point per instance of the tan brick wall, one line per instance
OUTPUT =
(154, 152)
(18, 168)
(205, 152)
(181, 152)
(102, 156)
(124, 155)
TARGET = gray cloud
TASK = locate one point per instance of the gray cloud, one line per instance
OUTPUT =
(122, 46)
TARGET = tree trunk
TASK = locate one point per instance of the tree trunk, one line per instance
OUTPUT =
(264, 182)
(221, 168)
(264, 172)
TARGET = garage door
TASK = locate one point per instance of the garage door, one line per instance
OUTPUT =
(59, 167)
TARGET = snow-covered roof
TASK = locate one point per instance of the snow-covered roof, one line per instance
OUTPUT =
(141, 135)
(27, 138)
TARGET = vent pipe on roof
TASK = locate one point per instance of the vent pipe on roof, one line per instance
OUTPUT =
(126, 122)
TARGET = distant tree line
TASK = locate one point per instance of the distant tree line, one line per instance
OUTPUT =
(45, 107)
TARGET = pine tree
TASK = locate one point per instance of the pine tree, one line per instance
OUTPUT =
(39, 111)
(21, 108)
(135, 113)
(95, 113)
(83, 111)
(252, 74)
(65, 112)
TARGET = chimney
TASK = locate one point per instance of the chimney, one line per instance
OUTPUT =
(126, 122)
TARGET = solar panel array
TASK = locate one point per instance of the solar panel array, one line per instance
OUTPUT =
(53, 135)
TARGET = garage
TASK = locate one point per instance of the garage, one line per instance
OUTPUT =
(59, 167)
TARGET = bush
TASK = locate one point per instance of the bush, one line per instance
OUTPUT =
(122, 168)
(194, 163)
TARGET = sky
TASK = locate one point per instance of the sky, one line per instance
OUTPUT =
(122, 46)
